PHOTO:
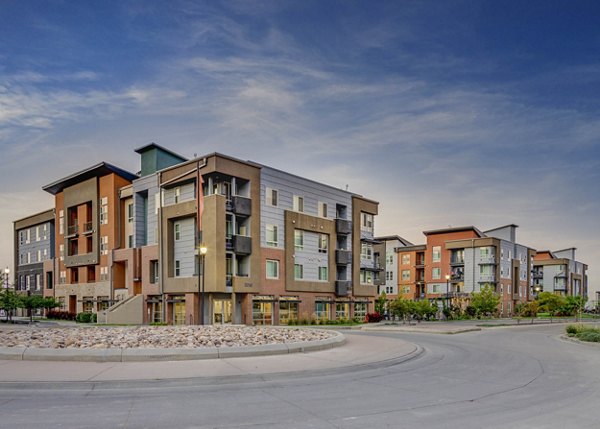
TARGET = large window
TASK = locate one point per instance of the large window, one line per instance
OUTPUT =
(103, 211)
(366, 277)
(271, 235)
(288, 310)
(322, 310)
(298, 204)
(272, 197)
(272, 269)
(154, 271)
(366, 222)
(262, 313)
(342, 310)
(405, 275)
(436, 273)
(298, 239)
(406, 259)
(366, 251)
(104, 245)
(436, 254)
(485, 252)
(130, 213)
(177, 228)
(360, 309)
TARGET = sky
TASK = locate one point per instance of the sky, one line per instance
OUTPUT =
(449, 113)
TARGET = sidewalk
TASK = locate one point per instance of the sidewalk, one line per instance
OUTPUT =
(359, 350)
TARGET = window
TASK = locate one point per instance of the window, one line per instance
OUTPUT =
(298, 271)
(271, 235)
(389, 290)
(177, 228)
(177, 268)
(298, 204)
(405, 259)
(485, 270)
(37, 233)
(298, 239)
(104, 211)
(61, 222)
(153, 271)
(262, 312)
(103, 303)
(288, 310)
(406, 289)
(177, 195)
(389, 258)
(39, 255)
(366, 277)
(21, 237)
(406, 275)
(130, 241)
(323, 243)
(436, 254)
(272, 269)
(485, 252)
(272, 197)
(436, 273)
(104, 245)
(360, 309)
(322, 310)
(29, 257)
(389, 275)
(322, 209)
(436, 289)
(27, 282)
(342, 310)
(63, 277)
(366, 251)
(61, 252)
(130, 213)
(103, 273)
(323, 274)
(88, 304)
(366, 222)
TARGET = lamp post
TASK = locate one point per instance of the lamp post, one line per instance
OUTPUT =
(537, 291)
(203, 249)
(448, 291)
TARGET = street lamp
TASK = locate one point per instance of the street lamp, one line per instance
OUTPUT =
(447, 291)
(203, 249)
(537, 291)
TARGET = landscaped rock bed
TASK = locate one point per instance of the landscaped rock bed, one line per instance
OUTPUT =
(188, 337)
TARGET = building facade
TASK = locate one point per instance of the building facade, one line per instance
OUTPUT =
(560, 273)
(387, 248)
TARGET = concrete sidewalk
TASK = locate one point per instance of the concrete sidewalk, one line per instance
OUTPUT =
(359, 350)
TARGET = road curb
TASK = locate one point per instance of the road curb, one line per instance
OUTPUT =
(167, 354)
(417, 330)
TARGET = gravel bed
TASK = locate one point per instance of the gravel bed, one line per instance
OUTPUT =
(188, 337)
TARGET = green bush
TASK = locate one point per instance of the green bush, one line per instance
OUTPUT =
(591, 336)
(84, 317)
(158, 324)
(574, 329)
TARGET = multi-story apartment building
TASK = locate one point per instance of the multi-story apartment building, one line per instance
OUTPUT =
(214, 240)
(456, 262)
(559, 272)
(87, 228)
(387, 246)
(34, 247)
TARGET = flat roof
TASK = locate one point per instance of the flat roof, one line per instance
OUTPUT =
(394, 237)
(153, 145)
(97, 170)
(455, 229)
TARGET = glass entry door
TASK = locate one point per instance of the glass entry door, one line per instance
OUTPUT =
(221, 311)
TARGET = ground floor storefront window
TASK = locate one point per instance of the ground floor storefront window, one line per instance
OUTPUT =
(155, 311)
(288, 310)
(179, 313)
(262, 312)
(342, 310)
(88, 304)
(360, 310)
(103, 303)
(322, 310)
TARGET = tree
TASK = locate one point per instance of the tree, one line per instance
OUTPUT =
(380, 303)
(550, 303)
(486, 301)
(30, 303)
(49, 303)
(400, 308)
(572, 305)
(9, 302)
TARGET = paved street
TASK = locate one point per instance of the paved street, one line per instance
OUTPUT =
(522, 377)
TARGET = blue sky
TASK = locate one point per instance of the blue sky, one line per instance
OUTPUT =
(448, 113)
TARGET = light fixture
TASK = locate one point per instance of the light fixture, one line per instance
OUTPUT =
(447, 276)
(203, 249)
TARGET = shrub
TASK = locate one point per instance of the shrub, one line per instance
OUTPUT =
(60, 315)
(574, 329)
(158, 323)
(591, 336)
(83, 317)
(373, 317)
(291, 322)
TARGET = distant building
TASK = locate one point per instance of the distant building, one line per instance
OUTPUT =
(559, 272)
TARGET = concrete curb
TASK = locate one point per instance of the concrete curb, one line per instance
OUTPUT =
(169, 354)
(418, 330)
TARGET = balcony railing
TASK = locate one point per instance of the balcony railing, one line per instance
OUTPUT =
(343, 257)
(487, 259)
(242, 245)
(88, 227)
(343, 226)
(242, 205)
(457, 261)
(343, 287)
(72, 230)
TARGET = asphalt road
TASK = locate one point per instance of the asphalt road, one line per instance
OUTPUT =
(523, 377)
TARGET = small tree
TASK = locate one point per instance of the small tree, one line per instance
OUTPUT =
(400, 308)
(380, 303)
(50, 303)
(486, 301)
(30, 303)
(550, 303)
(9, 302)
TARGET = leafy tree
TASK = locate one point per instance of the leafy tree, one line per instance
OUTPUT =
(399, 307)
(486, 301)
(572, 305)
(30, 303)
(380, 303)
(9, 302)
(550, 303)
(425, 309)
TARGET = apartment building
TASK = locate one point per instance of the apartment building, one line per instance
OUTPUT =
(456, 262)
(386, 249)
(87, 229)
(33, 247)
(559, 272)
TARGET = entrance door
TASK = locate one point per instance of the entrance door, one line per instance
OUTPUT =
(73, 303)
(178, 313)
(221, 311)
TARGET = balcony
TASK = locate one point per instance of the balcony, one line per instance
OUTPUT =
(458, 277)
(562, 287)
(487, 278)
(343, 288)
(242, 245)
(343, 257)
(538, 275)
(487, 260)
(457, 261)
(88, 228)
(343, 226)
(420, 263)
(241, 205)
(72, 230)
